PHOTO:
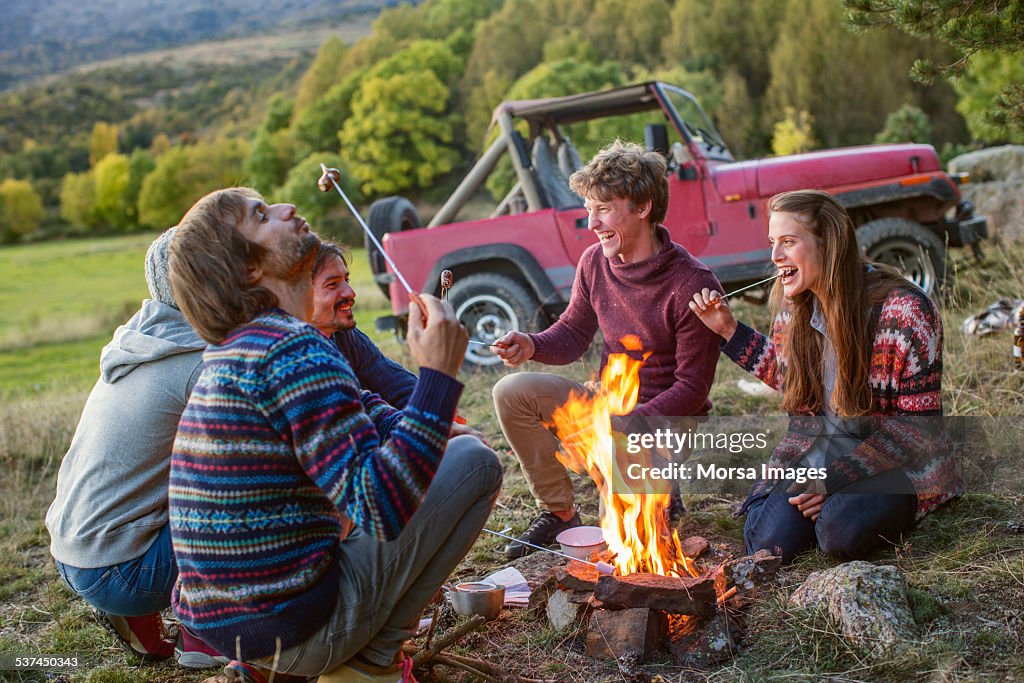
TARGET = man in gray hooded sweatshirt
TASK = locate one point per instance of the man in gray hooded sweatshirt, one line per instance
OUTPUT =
(108, 525)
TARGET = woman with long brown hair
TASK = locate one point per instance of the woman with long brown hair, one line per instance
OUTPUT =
(856, 351)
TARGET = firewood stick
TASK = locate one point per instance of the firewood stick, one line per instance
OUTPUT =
(448, 661)
(432, 627)
(428, 653)
(493, 669)
(726, 595)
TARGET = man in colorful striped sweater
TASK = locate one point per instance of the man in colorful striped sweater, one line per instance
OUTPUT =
(278, 449)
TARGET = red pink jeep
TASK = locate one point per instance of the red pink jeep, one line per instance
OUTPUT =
(513, 269)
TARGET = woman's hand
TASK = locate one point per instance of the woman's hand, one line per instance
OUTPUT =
(811, 499)
(714, 312)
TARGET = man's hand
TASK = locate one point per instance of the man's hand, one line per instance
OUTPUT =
(459, 429)
(437, 340)
(514, 348)
(714, 312)
(811, 499)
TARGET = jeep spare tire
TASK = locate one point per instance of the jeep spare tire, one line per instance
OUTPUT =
(489, 305)
(391, 214)
(911, 248)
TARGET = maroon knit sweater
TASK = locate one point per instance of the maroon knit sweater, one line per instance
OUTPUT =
(648, 299)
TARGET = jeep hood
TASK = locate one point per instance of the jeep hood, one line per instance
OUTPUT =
(833, 169)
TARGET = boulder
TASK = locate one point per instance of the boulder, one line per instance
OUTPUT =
(991, 164)
(996, 188)
(869, 603)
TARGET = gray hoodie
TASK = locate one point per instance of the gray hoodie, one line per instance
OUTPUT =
(112, 486)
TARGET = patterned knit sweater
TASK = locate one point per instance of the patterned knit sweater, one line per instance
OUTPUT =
(905, 429)
(275, 442)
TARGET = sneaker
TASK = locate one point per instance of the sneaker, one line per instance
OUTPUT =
(142, 636)
(193, 653)
(542, 532)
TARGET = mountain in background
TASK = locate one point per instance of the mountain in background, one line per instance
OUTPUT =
(41, 38)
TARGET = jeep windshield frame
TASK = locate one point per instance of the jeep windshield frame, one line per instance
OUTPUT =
(693, 123)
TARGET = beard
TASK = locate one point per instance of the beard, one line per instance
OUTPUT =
(293, 261)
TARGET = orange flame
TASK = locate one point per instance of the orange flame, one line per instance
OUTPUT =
(635, 525)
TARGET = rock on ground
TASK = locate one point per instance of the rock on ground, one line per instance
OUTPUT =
(996, 188)
(868, 601)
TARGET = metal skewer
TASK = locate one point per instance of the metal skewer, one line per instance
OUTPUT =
(602, 567)
(329, 174)
(742, 289)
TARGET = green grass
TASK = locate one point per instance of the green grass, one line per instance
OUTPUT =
(60, 302)
(65, 291)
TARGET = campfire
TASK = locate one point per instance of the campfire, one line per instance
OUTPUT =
(635, 524)
(662, 596)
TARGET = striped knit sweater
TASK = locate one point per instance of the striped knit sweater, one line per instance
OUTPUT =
(906, 428)
(276, 443)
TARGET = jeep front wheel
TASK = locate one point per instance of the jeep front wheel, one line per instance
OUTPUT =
(490, 305)
(909, 247)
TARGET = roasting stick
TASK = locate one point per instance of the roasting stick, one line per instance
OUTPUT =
(446, 283)
(332, 175)
(743, 289)
(602, 567)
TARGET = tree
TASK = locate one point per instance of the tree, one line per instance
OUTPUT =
(906, 124)
(971, 28)
(398, 136)
(21, 209)
(279, 113)
(317, 127)
(848, 83)
(140, 164)
(112, 202)
(78, 199)
(184, 174)
(984, 83)
(628, 31)
(794, 133)
(401, 131)
(571, 46)
(321, 74)
(102, 142)
(725, 35)
(270, 157)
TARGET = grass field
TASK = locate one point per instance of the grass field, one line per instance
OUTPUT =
(965, 564)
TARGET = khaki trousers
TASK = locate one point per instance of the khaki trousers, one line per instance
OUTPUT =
(524, 402)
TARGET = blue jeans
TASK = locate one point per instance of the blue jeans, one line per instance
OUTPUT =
(852, 522)
(133, 588)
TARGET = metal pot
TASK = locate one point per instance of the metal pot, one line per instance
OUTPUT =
(477, 598)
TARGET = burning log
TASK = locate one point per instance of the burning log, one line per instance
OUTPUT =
(577, 576)
(677, 595)
(612, 634)
(750, 573)
(701, 642)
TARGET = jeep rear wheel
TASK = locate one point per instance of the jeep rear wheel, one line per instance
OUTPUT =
(489, 305)
(911, 248)
(391, 214)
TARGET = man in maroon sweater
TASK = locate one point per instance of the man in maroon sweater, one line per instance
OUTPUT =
(636, 281)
